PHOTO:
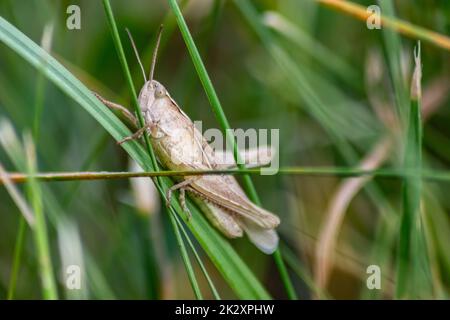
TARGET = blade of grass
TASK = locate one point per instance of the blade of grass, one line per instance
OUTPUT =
(38, 107)
(27, 213)
(224, 124)
(13, 149)
(301, 271)
(199, 261)
(338, 208)
(393, 45)
(27, 216)
(411, 271)
(439, 224)
(71, 253)
(46, 41)
(18, 248)
(230, 265)
(188, 265)
(49, 291)
(384, 242)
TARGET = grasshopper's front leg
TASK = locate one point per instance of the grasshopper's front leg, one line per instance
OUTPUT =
(137, 135)
(155, 132)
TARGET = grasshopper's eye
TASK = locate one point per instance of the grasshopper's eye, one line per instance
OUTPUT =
(160, 92)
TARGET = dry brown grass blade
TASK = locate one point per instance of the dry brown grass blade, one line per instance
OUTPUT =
(17, 197)
(403, 27)
(337, 209)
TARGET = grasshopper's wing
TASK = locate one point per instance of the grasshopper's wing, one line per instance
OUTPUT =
(265, 240)
(253, 157)
(226, 192)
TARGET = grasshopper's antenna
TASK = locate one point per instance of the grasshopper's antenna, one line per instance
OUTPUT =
(155, 53)
(136, 53)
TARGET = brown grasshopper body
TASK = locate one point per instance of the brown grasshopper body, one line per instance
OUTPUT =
(180, 146)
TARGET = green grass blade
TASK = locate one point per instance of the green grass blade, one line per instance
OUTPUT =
(303, 273)
(13, 149)
(18, 248)
(38, 108)
(199, 261)
(185, 256)
(224, 124)
(25, 159)
(393, 45)
(413, 272)
(49, 291)
(230, 265)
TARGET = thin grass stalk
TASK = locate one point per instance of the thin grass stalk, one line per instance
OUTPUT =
(15, 153)
(18, 249)
(46, 41)
(49, 291)
(189, 269)
(411, 239)
(126, 70)
(38, 108)
(392, 42)
(302, 272)
(387, 173)
(199, 261)
(224, 124)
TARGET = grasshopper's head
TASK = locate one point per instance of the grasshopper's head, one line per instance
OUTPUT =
(150, 92)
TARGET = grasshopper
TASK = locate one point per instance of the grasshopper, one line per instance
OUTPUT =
(179, 145)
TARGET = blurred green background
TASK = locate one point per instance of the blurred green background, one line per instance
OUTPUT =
(323, 78)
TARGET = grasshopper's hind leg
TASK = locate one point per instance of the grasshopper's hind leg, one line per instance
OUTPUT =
(116, 106)
(127, 114)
